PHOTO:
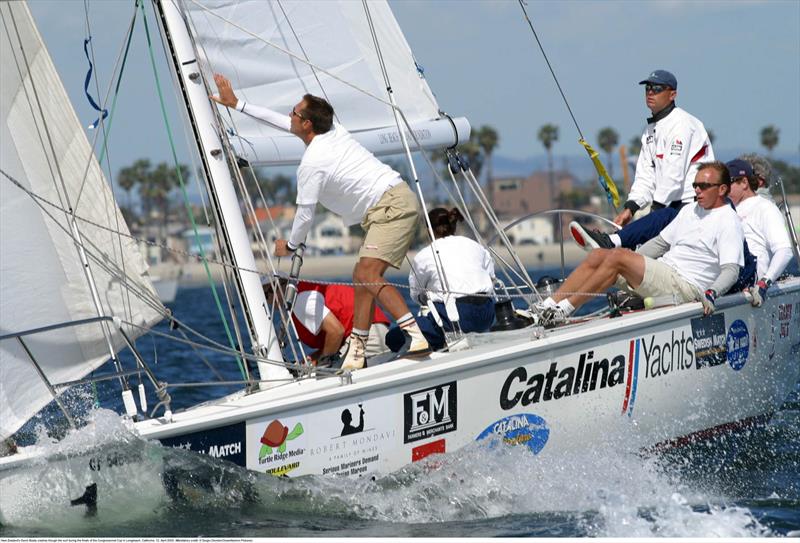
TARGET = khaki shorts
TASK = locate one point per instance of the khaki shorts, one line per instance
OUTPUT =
(662, 280)
(390, 226)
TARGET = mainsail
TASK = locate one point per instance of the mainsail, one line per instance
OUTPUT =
(250, 42)
(44, 152)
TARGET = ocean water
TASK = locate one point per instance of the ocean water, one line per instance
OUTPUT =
(742, 485)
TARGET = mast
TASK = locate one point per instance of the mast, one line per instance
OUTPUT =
(221, 190)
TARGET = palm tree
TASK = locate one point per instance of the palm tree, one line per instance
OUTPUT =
(472, 151)
(635, 146)
(769, 137)
(548, 135)
(130, 176)
(607, 139)
(488, 140)
(158, 186)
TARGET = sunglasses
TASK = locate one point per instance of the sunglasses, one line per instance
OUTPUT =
(655, 89)
(296, 114)
(705, 186)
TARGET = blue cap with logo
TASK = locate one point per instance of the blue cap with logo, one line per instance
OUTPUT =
(661, 77)
(739, 168)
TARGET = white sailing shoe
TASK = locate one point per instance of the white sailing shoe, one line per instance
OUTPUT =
(545, 315)
(553, 316)
(356, 357)
(419, 345)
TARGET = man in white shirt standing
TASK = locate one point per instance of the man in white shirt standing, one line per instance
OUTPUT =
(763, 226)
(697, 256)
(674, 144)
(339, 173)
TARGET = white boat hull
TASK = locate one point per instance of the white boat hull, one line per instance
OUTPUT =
(641, 381)
(166, 289)
(638, 381)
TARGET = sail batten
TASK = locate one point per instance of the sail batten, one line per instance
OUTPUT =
(44, 149)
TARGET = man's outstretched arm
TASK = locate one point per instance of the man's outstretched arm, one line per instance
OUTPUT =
(228, 98)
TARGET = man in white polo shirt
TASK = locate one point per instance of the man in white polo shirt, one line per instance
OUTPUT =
(764, 229)
(339, 173)
(697, 256)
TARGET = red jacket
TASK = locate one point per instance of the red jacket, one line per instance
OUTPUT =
(339, 300)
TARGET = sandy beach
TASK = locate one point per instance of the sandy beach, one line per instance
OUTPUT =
(339, 267)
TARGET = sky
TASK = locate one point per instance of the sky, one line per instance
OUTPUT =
(737, 63)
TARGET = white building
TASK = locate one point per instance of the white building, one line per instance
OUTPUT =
(534, 231)
(328, 236)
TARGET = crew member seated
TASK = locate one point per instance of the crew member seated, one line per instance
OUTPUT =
(697, 256)
(468, 271)
(764, 228)
(323, 317)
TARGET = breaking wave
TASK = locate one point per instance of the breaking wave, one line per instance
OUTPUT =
(145, 489)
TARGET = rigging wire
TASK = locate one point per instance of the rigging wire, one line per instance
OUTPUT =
(434, 250)
(302, 49)
(105, 129)
(225, 255)
(183, 185)
(550, 67)
(608, 185)
(58, 178)
(43, 201)
(285, 319)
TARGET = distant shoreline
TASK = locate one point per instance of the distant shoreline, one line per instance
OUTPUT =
(341, 266)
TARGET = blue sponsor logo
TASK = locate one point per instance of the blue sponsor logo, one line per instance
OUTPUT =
(524, 429)
(738, 343)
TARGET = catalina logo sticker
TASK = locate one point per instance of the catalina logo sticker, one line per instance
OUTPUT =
(524, 429)
(738, 341)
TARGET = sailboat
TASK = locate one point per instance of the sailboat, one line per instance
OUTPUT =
(75, 290)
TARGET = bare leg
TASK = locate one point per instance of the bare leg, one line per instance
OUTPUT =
(599, 271)
(576, 280)
(371, 270)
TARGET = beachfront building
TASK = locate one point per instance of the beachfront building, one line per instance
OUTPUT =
(328, 236)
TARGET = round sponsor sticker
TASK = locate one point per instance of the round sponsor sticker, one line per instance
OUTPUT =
(523, 429)
(738, 344)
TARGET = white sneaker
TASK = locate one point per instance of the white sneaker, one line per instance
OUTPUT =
(545, 315)
(553, 316)
(356, 357)
(419, 345)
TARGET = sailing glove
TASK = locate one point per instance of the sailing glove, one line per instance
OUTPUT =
(709, 300)
(759, 291)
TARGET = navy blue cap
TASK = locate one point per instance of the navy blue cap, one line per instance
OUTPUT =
(661, 77)
(739, 168)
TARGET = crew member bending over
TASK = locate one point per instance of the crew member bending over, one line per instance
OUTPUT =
(697, 256)
(469, 272)
(337, 172)
(764, 229)
(323, 318)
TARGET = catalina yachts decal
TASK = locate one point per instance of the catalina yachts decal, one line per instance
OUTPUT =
(523, 429)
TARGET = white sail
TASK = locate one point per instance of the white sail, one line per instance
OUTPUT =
(42, 280)
(247, 41)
